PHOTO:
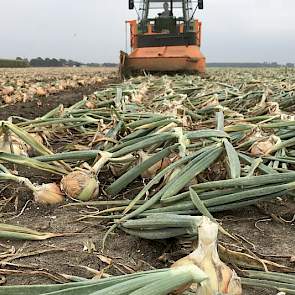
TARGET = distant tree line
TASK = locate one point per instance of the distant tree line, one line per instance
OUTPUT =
(53, 62)
(49, 62)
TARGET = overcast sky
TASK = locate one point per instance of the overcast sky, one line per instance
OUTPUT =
(94, 30)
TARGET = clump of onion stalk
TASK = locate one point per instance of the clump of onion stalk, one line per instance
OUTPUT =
(83, 184)
(47, 194)
(221, 279)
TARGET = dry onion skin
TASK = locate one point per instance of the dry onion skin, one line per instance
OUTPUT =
(262, 147)
(48, 194)
(13, 145)
(222, 279)
(81, 185)
(153, 170)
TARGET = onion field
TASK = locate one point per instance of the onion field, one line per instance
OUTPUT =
(106, 183)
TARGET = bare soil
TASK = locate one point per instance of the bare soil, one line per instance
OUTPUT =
(260, 227)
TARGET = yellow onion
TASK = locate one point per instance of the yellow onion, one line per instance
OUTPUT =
(13, 145)
(90, 105)
(81, 185)
(40, 91)
(273, 108)
(119, 169)
(7, 99)
(211, 102)
(172, 176)
(262, 147)
(153, 170)
(32, 90)
(8, 90)
(48, 194)
(24, 97)
(222, 279)
(52, 90)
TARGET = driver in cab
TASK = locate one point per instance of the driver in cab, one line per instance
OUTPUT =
(166, 12)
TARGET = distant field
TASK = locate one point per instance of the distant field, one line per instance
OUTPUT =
(23, 84)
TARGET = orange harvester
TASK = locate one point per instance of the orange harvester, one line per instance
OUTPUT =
(167, 42)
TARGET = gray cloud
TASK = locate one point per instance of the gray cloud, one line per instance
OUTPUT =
(94, 30)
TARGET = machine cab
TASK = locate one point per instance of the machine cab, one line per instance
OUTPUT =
(168, 23)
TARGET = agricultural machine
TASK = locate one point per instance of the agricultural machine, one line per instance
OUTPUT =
(165, 38)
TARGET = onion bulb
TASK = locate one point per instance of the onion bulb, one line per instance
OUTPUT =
(48, 194)
(222, 279)
(13, 145)
(8, 99)
(81, 185)
(8, 90)
(90, 105)
(263, 147)
(119, 169)
(153, 170)
(40, 91)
